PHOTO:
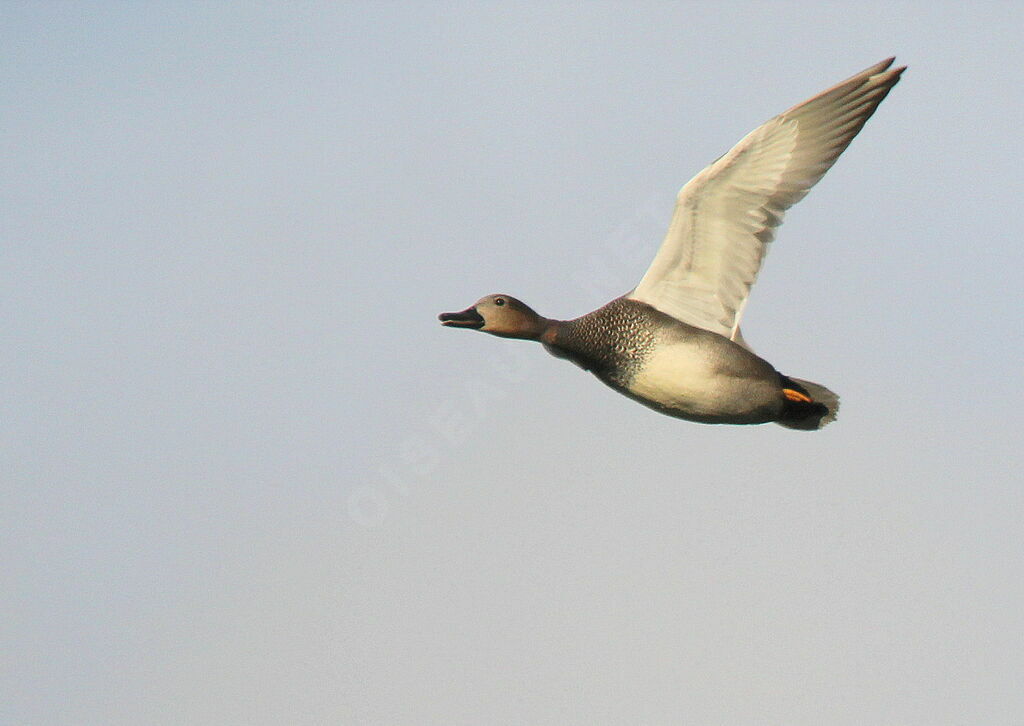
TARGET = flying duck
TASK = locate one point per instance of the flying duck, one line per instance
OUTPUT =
(673, 343)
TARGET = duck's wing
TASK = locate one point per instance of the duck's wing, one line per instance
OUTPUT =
(727, 214)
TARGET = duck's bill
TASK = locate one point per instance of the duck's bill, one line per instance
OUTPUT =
(468, 318)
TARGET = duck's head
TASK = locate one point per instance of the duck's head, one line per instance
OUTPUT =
(498, 315)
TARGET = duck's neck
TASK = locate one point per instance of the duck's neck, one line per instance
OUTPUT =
(547, 330)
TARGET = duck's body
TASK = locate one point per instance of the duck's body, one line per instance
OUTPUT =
(674, 368)
(673, 342)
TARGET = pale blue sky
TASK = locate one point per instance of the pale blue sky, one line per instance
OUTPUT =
(247, 478)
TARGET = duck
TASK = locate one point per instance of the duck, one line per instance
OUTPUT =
(673, 343)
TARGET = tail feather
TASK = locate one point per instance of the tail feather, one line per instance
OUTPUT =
(811, 416)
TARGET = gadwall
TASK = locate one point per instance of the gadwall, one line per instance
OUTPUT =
(673, 343)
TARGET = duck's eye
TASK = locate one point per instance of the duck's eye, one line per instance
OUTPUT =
(499, 301)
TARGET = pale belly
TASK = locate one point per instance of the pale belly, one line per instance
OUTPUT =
(693, 382)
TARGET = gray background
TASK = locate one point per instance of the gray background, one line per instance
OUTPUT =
(247, 478)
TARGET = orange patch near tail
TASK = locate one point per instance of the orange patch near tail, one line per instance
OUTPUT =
(793, 395)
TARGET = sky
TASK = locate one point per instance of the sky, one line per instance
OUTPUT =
(246, 477)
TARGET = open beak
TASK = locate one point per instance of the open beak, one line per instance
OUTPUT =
(468, 318)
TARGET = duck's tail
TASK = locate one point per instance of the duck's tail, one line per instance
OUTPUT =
(809, 415)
